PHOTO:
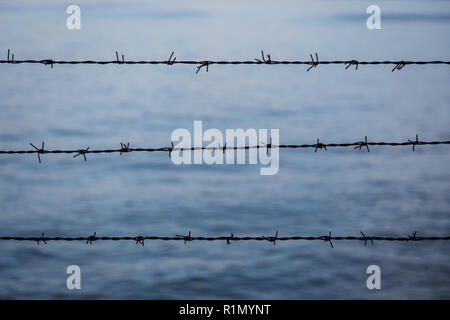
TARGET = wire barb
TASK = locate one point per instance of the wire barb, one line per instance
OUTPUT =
(415, 142)
(39, 151)
(320, 146)
(12, 57)
(42, 238)
(203, 64)
(328, 239)
(413, 236)
(268, 146)
(399, 66)
(313, 63)
(171, 149)
(272, 239)
(363, 144)
(366, 238)
(185, 238)
(123, 148)
(92, 238)
(171, 62)
(83, 153)
(268, 61)
(48, 62)
(230, 238)
(351, 63)
(117, 59)
(139, 240)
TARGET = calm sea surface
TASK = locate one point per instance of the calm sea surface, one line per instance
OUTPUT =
(387, 192)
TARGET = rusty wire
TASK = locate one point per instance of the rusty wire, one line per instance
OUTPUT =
(125, 148)
(313, 63)
(188, 238)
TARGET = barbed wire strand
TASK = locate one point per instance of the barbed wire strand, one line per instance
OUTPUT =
(188, 238)
(125, 148)
(313, 63)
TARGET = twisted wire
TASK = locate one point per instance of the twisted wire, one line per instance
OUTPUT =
(125, 148)
(188, 238)
(204, 64)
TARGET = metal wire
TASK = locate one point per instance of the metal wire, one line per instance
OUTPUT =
(125, 148)
(313, 63)
(205, 64)
(188, 238)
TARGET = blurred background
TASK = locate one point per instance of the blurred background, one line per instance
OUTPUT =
(387, 192)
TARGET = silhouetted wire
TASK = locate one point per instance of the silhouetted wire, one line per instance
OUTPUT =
(265, 59)
(188, 238)
(125, 148)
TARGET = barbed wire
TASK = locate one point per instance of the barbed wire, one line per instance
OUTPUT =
(188, 238)
(204, 64)
(125, 147)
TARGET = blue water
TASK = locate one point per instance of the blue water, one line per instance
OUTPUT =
(387, 192)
